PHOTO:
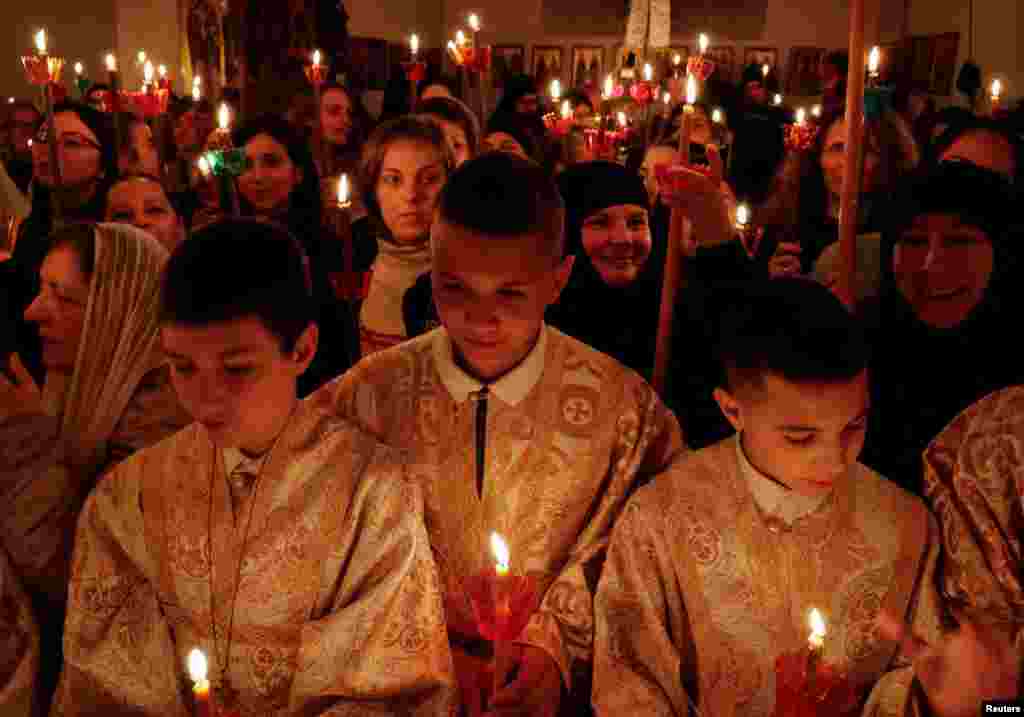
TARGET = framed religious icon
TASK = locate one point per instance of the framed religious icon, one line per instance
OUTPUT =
(802, 76)
(546, 66)
(587, 66)
(724, 57)
(507, 60)
(762, 56)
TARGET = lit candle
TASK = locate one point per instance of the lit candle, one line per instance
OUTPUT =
(474, 22)
(703, 42)
(343, 192)
(801, 117)
(874, 60)
(141, 59)
(162, 71)
(816, 111)
(316, 59)
(10, 100)
(501, 555)
(765, 69)
(684, 127)
(197, 671)
(204, 167)
(147, 73)
(667, 97)
(556, 90)
(816, 640)
(609, 87)
(648, 72)
(777, 100)
(111, 63)
(460, 38)
(622, 120)
(996, 92)
(742, 217)
(224, 117)
(677, 59)
(716, 116)
(41, 42)
(79, 69)
(414, 45)
(197, 92)
(566, 110)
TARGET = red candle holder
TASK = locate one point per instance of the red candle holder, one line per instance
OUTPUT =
(642, 92)
(806, 686)
(41, 70)
(502, 604)
(316, 74)
(151, 103)
(800, 137)
(700, 67)
(680, 177)
(477, 59)
(415, 71)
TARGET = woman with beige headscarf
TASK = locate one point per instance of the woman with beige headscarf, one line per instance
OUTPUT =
(106, 394)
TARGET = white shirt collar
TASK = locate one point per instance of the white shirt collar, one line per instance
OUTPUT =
(511, 388)
(774, 499)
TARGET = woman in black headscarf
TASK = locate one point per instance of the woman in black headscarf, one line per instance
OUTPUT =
(951, 294)
(612, 299)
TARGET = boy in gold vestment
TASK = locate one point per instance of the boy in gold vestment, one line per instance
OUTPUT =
(512, 427)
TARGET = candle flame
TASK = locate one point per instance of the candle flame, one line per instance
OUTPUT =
(343, 189)
(801, 116)
(10, 100)
(197, 94)
(691, 89)
(41, 42)
(224, 116)
(141, 57)
(197, 80)
(622, 119)
(474, 22)
(817, 623)
(765, 69)
(648, 72)
(742, 215)
(609, 86)
(874, 59)
(777, 100)
(79, 68)
(111, 63)
(204, 166)
(556, 89)
(816, 110)
(704, 41)
(716, 116)
(316, 58)
(501, 554)
(414, 43)
(668, 98)
(460, 38)
(162, 70)
(566, 110)
(677, 59)
(997, 88)
(147, 72)
(197, 665)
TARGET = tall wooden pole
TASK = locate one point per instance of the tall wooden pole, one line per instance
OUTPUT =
(849, 200)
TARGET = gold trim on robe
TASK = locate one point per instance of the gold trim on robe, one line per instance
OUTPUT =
(703, 588)
(568, 441)
(339, 608)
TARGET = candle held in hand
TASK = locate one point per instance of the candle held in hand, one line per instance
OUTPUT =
(343, 192)
(197, 672)
(460, 38)
(501, 554)
(816, 640)
(742, 216)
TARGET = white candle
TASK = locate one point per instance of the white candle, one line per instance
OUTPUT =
(622, 119)
(316, 59)
(460, 38)
(677, 59)
(648, 72)
(874, 60)
(343, 191)
(41, 42)
(111, 63)
(224, 117)
(204, 167)
(667, 97)
(801, 116)
(566, 110)
(147, 72)
(816, 640)
(474, 22)
(501, 554)
(996, 90)
(609, 87)
(414, 45)
(691, 89)
(556, 90)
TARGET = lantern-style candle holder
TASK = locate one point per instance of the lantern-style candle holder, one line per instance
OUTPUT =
(807, 686)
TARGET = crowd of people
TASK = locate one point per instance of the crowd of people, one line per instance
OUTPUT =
(285, 431)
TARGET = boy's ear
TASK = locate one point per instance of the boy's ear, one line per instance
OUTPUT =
(730, 408)
(305, 347)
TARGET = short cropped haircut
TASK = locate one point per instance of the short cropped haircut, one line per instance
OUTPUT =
(502, 195)
(794, 328)
(200, 287)
(409, 128)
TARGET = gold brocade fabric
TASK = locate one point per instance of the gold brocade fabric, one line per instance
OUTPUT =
(19, 646)
(702, 590)
(974, 481)
(338, 610)
(562, 456)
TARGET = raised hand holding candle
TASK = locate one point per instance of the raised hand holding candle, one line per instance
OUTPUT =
(197, 672)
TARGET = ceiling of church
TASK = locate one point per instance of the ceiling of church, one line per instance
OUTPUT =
(738, 18)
